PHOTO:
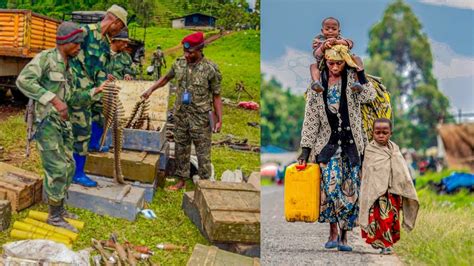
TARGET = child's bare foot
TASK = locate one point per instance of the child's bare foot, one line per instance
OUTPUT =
(317, 86)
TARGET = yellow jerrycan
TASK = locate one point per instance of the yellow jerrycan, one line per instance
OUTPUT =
(302, 192)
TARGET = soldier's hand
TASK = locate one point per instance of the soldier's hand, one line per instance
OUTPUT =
(61, 107)
(146, 94)
(127, 77)
(110, 77)
(217, 127)
(101, 87)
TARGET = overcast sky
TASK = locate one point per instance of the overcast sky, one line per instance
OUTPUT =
(288, 27)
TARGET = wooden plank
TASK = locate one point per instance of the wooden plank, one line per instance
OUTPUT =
(102, 199)
(210, 256)
(226, 186)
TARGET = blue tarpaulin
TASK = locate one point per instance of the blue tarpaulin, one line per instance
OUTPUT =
(457, 181)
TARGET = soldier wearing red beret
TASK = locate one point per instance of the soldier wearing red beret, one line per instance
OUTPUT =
(198, 90)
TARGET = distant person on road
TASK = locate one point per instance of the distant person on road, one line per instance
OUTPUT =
(333, 135)
(386, 188)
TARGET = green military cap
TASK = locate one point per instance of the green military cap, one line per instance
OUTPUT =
(119, 12)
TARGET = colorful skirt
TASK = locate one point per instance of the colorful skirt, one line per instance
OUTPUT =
(383, 229)
(340, 186)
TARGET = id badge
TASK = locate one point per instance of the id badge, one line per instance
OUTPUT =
(186, 98)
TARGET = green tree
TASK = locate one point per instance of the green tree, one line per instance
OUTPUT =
(282, 115)
(417, 103)
(398, 38)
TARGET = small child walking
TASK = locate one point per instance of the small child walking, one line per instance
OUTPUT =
(386, 188)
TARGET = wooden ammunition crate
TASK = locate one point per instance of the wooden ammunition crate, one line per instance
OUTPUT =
(230, 212)
(140, 139)
(22, 188)
(212, 256)
(136, 166)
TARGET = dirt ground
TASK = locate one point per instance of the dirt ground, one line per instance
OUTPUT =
(10, 109)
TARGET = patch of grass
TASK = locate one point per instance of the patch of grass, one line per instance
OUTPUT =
(224, 158)
(238, 58)
(266, 182)
(237, 55)
(13, 140)
(234, 122)
(444, 231)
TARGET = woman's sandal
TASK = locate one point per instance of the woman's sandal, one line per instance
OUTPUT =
(386, 251)
(342, 247)
(332, 244)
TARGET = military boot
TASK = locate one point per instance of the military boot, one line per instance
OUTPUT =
(55, 218)
(66, 214)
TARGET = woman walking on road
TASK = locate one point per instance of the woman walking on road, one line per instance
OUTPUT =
(332, 136)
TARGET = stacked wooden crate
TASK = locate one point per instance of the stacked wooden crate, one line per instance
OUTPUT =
(20, 187)
(227, 214)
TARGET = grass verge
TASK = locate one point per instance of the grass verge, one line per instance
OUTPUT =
(444, 231)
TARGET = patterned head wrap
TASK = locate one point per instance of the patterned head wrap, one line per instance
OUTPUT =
(340, 53)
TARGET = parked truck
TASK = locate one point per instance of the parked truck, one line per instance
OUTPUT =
(23, 34)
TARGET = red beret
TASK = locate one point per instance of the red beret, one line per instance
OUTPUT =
(195, 40)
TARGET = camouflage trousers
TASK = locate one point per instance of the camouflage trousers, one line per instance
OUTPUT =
(81, 119)
(158, 71)
(97, 112)
(81, 128)
(192, 127)
(54, 141)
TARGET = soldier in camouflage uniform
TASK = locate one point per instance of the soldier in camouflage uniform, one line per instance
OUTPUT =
(90, 70)
(158, 60)
(48, 80)
(199, 87)
(120, 60)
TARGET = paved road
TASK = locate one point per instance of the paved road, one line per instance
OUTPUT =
(303, 244)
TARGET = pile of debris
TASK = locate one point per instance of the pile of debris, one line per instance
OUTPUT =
(113, 252)
(241, 145)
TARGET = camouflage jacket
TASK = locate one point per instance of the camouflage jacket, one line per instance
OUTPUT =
(158, 58)
(90, 66)
(44, 78)
(120, 65)
(202, 80)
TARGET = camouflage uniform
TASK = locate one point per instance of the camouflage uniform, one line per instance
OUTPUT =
(158, 60)
(121, 65)
(203, 81)
(89, 68)
(42, 79)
